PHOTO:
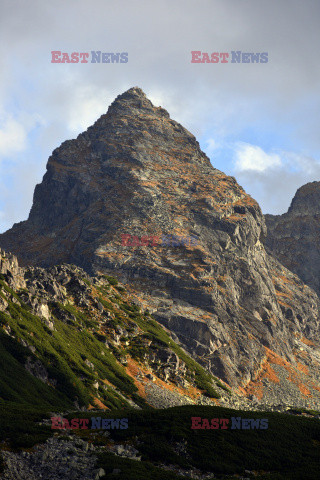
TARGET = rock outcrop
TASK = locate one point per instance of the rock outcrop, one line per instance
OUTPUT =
(114, 201)
(54, 460)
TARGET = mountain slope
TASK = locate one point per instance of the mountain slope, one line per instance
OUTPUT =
(137, 172)
(70, 340)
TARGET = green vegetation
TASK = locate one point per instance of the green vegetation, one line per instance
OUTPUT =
(75, 354)
(159, 336)
(133, 470)
(223, 386)
(136, 350)
(19, 424)
(288, 450)
(120, 289)
(17, 385)
(77, 361)
(303, 410)
(63, 353)
(112, 280)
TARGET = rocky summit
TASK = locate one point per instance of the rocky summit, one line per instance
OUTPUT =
(134, 196)
(294, 237)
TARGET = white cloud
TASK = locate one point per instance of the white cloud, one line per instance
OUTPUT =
(305, 164)
(14, 132)
(274, 188)
(13, 137)
(252, 157)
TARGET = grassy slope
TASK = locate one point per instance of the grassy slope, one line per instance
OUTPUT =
(17, 385)
(65, 351)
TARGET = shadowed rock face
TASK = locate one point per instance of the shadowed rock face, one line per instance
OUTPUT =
(294, 237)
(136, 171)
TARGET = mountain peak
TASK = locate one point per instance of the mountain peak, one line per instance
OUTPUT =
(132, 94)
(132, 98)
(133, 91)
(135, 196)
(131, 110)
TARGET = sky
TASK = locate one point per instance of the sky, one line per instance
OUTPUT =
(258, 122)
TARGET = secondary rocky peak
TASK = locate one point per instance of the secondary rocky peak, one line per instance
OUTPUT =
(306, 200)
(294, 236)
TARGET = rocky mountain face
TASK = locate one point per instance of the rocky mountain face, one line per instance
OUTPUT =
(294, 237)
(134, 196)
